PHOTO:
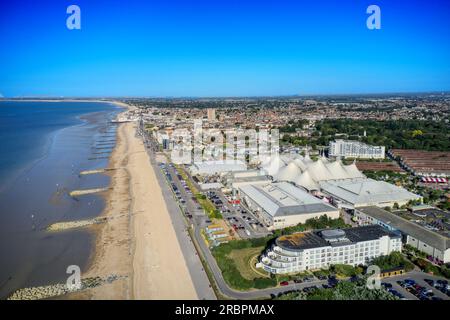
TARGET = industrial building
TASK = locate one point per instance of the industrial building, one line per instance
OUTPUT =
(355, 149)
(206, 168)
(355, 193)
(432, 243)
(280, 205)
(320, 249)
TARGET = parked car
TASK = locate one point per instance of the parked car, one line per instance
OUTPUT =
(284, 283)
(386, 285)
(430, 282)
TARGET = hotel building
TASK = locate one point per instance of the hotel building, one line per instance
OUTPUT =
(355, 149)
(320, 249)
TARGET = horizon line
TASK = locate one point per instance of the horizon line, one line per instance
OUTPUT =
(397, 93)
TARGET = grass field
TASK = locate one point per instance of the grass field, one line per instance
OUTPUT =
(243, 260)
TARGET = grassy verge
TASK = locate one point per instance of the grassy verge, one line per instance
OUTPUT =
(244, 258)
(232, 260)
(204, 202)
(208, 271)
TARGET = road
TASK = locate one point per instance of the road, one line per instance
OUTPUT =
(195, 267)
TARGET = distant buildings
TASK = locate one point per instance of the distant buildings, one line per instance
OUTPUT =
(211, 114)
(280, 205)
(320, 249)
(423, 239)
(355, 149)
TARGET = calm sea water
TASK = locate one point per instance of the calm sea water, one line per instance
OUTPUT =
(44, 146)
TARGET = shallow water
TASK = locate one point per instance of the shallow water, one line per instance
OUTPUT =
(35, 189)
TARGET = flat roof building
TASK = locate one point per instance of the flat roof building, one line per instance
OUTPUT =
(282, 204)
(355, 193)
(217, 167)
(320, 249)
(423, 239)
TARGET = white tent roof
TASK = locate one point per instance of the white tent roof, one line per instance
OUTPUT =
(286, 158)
(337, 170)
(307, 159)
(288, 173)
(273, 166)
(299, 163)
(305, 180)
(353, 171)
(324, 159)
(319, 171)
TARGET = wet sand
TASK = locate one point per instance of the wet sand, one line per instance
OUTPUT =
(141, 243)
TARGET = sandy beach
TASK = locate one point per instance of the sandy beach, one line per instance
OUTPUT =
(140, 242)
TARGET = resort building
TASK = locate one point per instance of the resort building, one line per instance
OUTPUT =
(430, 242)
(344, 185)
(320, 249)
(355, 149)
(280, 205)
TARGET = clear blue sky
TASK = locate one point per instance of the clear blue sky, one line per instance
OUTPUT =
(222, 48)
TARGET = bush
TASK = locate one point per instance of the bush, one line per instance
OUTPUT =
(393, 260)
(345, 270)
(323, 222)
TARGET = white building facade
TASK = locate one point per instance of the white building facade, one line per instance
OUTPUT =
(355, 149)
(325, 248)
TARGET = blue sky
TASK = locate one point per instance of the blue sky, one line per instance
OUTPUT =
(223, 48)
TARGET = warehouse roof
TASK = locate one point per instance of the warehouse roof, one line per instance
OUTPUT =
(214, 167)
(363, 191)
(283, 198)
(427, 236)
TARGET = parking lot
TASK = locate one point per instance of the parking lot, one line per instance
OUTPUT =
(191, 208)
(240, 219)
(418, 286)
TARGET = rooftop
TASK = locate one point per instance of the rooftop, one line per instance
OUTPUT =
(283, 198)
(366, 191)
(429, 237)
(332, 237)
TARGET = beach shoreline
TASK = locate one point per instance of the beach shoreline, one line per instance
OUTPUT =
(146, 255)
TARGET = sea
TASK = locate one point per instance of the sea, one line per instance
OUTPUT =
(44, 146)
